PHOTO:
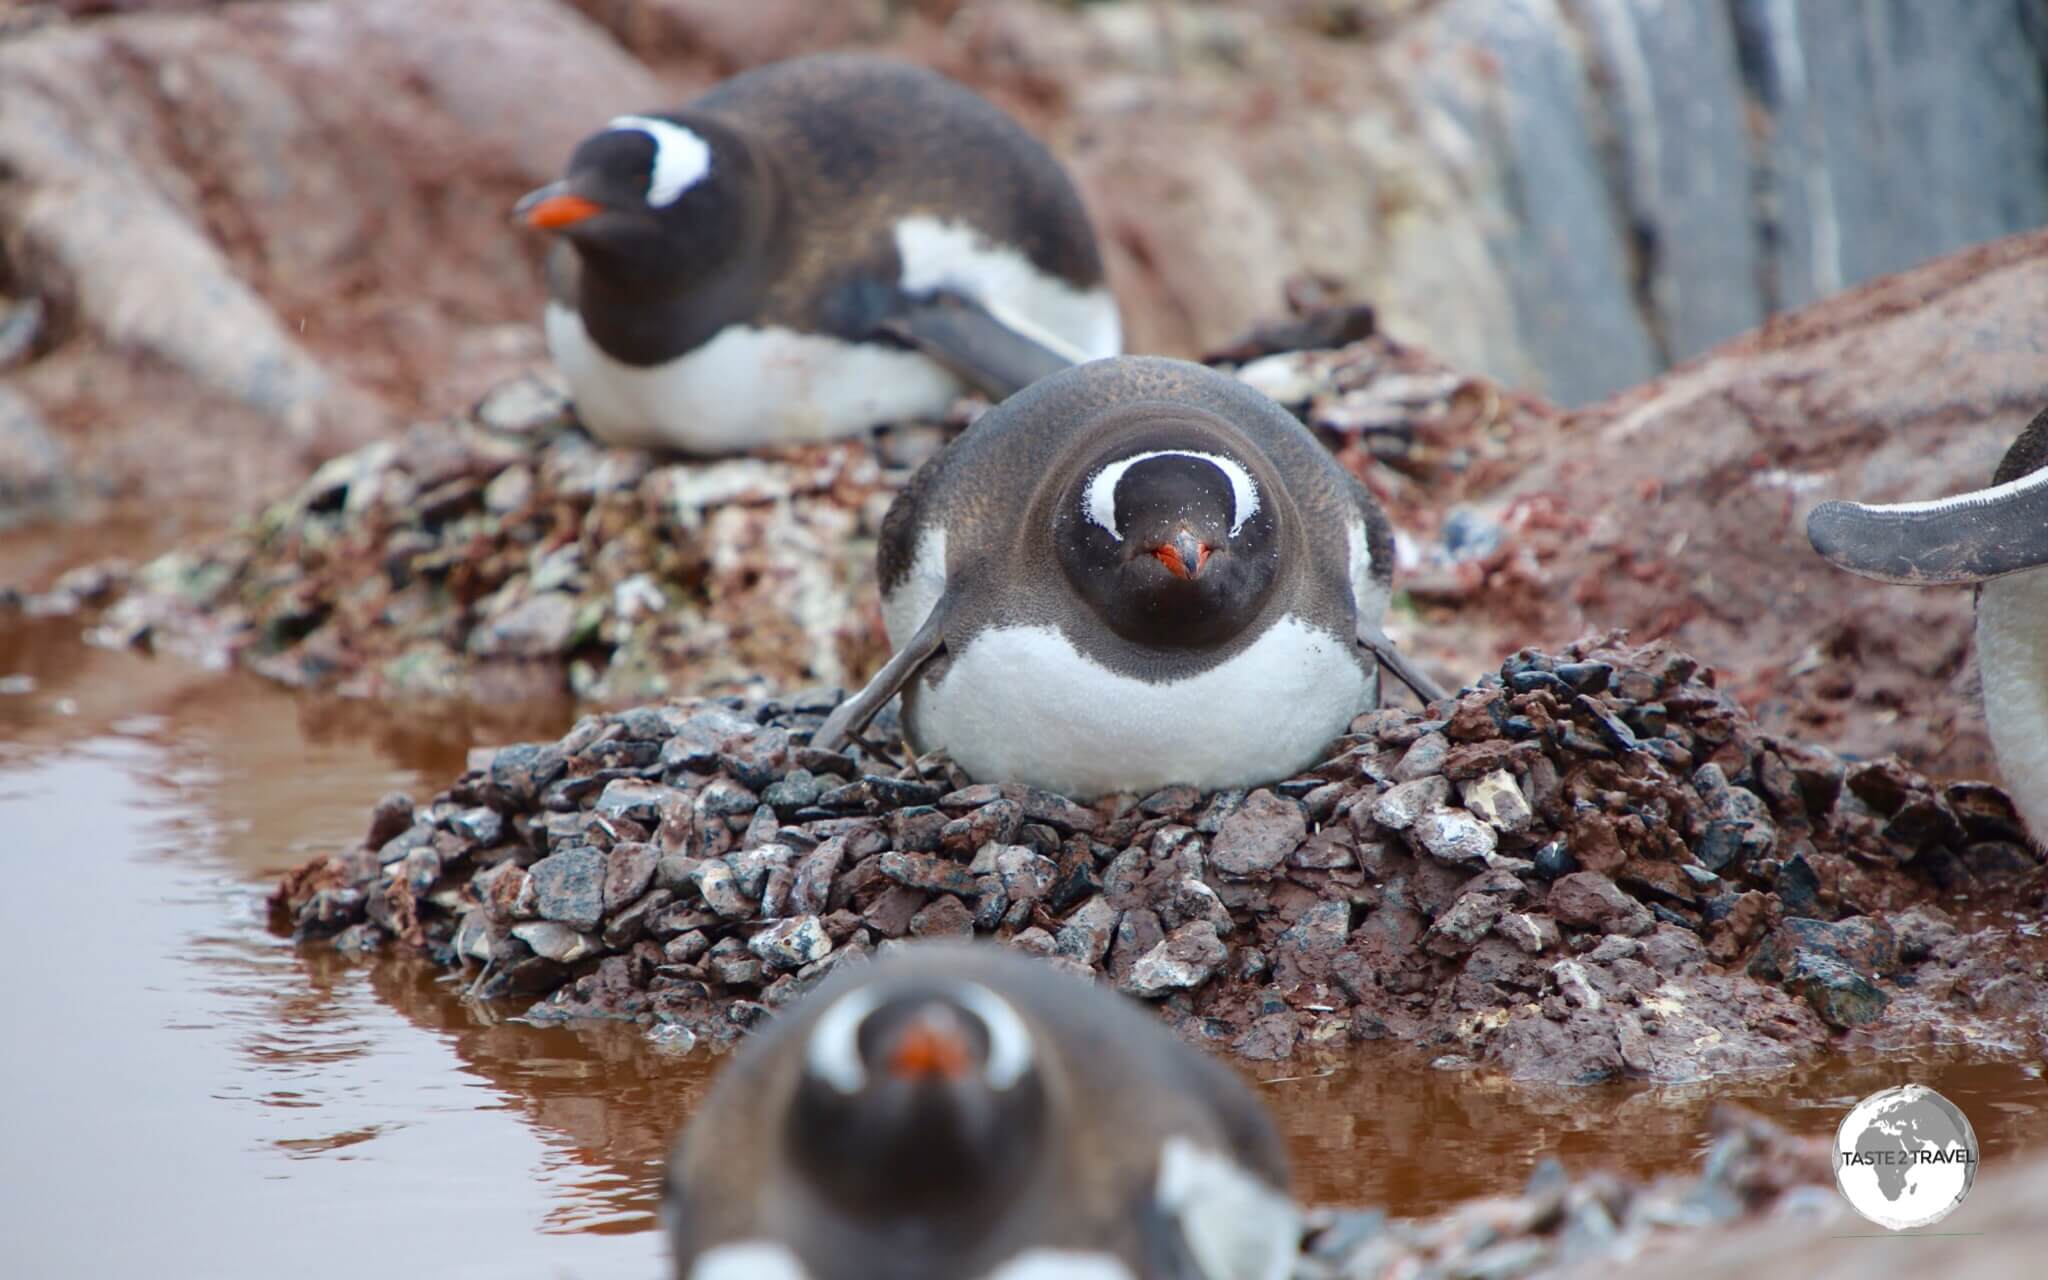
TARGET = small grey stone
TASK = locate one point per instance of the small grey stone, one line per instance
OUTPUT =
(419, 870)
(557, 942)
(1256, 839)
(1191, 900)
(1614, 947)
(568, 887)
(480, 826)
(1454, 836)
(775, 891)
(685, 947)
(724, 798)
(630, 925)
(791, 944)
(1025, 875)
(418, 835)
(737, 969)
(721, 891)
(798, 789)
(635, 801)
(1461, 925)
(1034, 940)
(750, 867)
(1841, 996)
(1086, 934)
(1398, 809)
(676, 871)
(1496, 798)
(1187, 958)
(629, 869)
(926, 871)
(1320, 931)
(390, 819)
(1424, 758)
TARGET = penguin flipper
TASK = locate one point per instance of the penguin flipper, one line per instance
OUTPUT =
(1392, 659)
(994, 356)
(852, 715)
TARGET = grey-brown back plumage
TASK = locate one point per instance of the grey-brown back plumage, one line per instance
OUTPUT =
(855, 144)
(2029, 453)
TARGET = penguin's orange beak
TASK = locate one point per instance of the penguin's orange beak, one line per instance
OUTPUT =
(551, 208)
(930, 1049)
(1184, 557)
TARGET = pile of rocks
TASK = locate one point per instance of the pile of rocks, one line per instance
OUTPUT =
(1590, 865)
(503, 554)
(1752, 1170)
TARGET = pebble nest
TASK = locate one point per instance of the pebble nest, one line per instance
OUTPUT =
(503, 555)
(1588, 866)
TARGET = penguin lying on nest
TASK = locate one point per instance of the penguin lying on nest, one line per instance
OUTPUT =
(1131, 574)
(1997, 538)
(807, 250)
(956, 1112)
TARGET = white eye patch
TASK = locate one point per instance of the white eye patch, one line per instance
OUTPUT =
(681, 158)
(1099, 501)
(834, 1051)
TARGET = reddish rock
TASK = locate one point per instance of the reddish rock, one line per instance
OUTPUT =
(1589, 900)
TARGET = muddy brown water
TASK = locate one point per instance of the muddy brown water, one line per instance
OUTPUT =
(185, 1093)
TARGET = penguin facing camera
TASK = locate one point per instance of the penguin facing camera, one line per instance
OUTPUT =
(1132, 574)
(960, 1112)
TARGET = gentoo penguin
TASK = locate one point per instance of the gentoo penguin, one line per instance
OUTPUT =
(1130, 574)
(809, 249)
(1996, 537)
(962, 1112)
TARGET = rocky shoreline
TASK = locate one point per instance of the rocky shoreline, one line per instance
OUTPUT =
(1590, 866)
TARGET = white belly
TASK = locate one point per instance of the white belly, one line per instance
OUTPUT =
(2012, 649)
(1022, 705)
(748, 1260)
(745, 388)
(751, 386)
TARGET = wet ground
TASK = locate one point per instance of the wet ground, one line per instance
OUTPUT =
(186, 1093)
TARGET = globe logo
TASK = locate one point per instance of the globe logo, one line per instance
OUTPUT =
(1905, 1157)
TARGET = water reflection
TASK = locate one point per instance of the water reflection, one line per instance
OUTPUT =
(1413, 1139)
(187, 1094)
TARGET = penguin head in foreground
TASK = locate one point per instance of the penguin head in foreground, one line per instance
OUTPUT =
(653, 199)
(1168, 532)
(935, 1081)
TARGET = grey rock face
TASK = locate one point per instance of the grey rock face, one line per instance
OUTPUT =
(1561, 244)
(1668, 173)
